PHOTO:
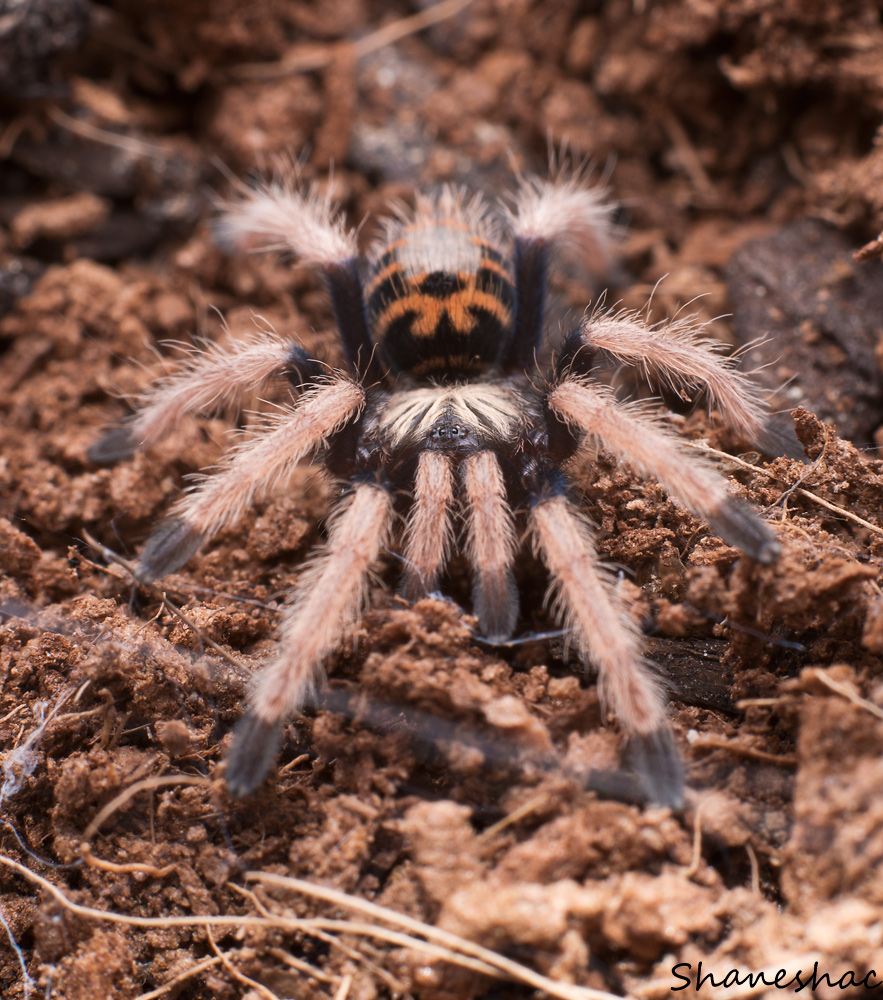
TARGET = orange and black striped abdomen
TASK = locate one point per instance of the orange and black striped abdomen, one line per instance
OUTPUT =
(440, 301)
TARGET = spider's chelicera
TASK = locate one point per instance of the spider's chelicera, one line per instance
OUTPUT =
(443, 408)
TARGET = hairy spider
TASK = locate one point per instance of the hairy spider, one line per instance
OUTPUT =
(443, 408)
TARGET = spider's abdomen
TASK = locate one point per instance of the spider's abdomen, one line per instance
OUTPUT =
(440, 300)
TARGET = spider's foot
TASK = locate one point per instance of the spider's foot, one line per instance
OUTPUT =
(167, 549)
(778, 438)
(738, 525)
(114, 446)
(657, 761)
(252, 752)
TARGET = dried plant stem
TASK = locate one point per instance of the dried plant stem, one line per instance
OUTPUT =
(445, 938)
(308, 60)
(439, 944)
(128, 566)
(194, 970)
(159, 781)
(844, 691)
(240, 977)
(126, 869)
(696, 860)
(301, 966)
(842, 511)
(709, 742)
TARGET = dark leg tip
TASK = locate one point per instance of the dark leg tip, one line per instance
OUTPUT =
(778, 438)
(496, 609)
(658, 764)
(167, 549)
(738, 525)
(252, 752)
(114, 446)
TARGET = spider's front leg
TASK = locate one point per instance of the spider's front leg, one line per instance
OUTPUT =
(214, 380)
(256, 466)
(676, 352)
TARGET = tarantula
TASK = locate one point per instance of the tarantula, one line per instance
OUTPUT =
(443, 407)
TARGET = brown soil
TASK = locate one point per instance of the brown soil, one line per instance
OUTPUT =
(445, 781)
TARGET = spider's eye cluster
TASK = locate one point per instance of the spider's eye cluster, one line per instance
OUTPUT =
(440, 300)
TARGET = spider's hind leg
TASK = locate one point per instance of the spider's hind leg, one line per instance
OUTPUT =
(327, 596)
(606, 637)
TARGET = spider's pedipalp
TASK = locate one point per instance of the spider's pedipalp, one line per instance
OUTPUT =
(608, 639)
(256, 466)
(491, 545)
(279, 216)
(428, 534)
(653, 452)
(548, 215)
(563, 213)
(678, 353)
(214, 380)
(327, 596)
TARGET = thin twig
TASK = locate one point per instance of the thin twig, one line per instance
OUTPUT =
(126, 564)
(309, 926)
(302, 966)
(318, 57)
(343, 990)
(755, 869)
(194, 970)
(240, 977)
(445, 938)
(137, 147)
(159, 781)
(699, 446)
(525, 809)
(697, 842)
(710, 742)
(125, 869)
(396, 987)
(844, 691)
